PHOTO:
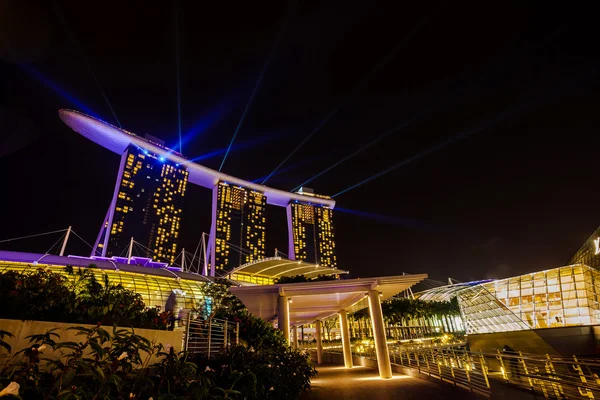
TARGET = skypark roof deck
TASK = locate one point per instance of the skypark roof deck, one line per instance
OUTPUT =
(117, 140)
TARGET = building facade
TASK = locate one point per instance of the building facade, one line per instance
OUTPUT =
(239, 228)
(589, 253)
(558, 297)
(147, 206)
(311, 233)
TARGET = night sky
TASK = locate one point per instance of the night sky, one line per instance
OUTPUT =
(495, 107)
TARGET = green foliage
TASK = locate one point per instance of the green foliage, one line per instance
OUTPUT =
(400, 309)
(280, 372)
(4, 344)
(219, 301)
(75, 297)
(269, 373)
(115, 366)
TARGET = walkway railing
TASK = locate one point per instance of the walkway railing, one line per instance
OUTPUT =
(448, 364)
(552, 377)
(211, 336)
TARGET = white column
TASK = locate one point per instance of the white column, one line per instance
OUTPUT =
(318, 331)
(295, 336)
(283, 316)
(345, 339)
(381, 348)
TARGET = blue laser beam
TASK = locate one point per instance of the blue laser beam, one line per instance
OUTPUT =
(77, 45)
(177, 75)
(509, 112)
(387, 133)
(291, 7)
(359, 85)
(389, 219)
(243, 145)
(474, 85)
(57, 89)
(208, 120)
(288, 168)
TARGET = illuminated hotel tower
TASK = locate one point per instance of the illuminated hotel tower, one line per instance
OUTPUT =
(146, 205)
(238, 231)
(311, 234)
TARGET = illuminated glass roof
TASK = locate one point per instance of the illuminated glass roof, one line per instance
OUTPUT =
(277, 267)
(447, 293)
(102, 264)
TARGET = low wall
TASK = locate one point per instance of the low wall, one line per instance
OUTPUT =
(564, 341)
(22, 329)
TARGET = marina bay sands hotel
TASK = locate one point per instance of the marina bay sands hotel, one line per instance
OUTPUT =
(147, 205)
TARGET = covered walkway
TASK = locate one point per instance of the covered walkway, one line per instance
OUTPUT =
(295, 304)
(338, 382)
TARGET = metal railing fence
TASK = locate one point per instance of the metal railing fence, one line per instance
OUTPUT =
(553, 377)
(210, 336)
(550, 376)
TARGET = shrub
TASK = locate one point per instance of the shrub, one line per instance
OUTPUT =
(76, 297)
(105, 366)
(280, 372)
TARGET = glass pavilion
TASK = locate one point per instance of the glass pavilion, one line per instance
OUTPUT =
(564, 296)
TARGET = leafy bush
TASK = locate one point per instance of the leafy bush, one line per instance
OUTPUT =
(277, 373)
(76, 297)
(280, 371)
(105, 366)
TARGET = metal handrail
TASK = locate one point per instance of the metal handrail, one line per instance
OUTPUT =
(210, 336)
(554, 377)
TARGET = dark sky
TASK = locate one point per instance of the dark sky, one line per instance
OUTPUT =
(511, 88)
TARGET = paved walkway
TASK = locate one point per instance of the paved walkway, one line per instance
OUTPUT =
(337, 382)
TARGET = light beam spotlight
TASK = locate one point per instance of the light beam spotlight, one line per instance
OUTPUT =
(49, 83)
(243, 145)
(390, 219)
(364, 80)
(387, 133)
(291, 8)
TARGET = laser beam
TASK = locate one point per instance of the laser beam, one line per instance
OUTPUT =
(509, 112)
(177, 76)
(390, 219)
(474, 85)
(359, 85)
(304, 161)
(387, 133)
(56, 88)
(291, 7)
(243, 145)
(75, 43)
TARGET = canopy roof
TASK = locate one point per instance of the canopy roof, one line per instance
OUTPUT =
(311, 301)
(277, 267)
(106, 264)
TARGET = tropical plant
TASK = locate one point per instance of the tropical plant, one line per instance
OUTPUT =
(76, 296)
(111, 366)
(404, 312)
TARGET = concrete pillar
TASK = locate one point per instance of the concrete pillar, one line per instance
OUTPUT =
(318, 331)
(283, 316)
(295, 336)
(345, 339)
(381, 348)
